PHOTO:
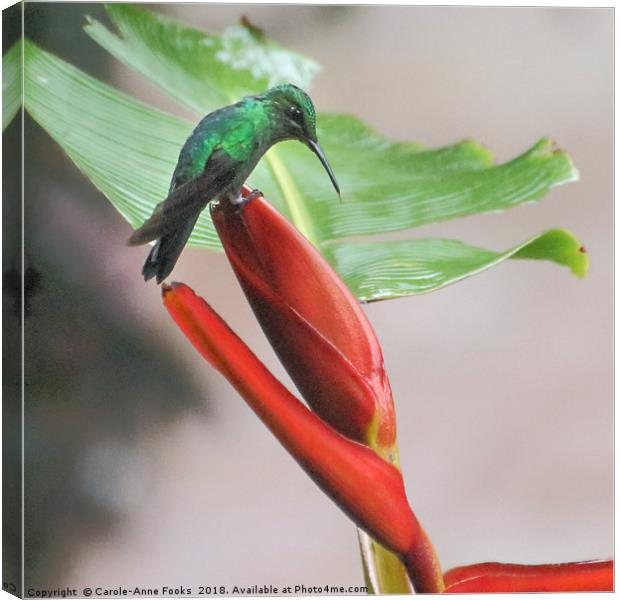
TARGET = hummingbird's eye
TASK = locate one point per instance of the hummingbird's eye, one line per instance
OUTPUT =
(296, 114)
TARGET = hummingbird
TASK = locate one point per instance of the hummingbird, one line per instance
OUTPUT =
(215, 162)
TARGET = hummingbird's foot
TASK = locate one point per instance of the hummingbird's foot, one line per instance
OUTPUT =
(253, 194)
(241, 199)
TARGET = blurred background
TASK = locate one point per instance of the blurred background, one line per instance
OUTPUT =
(144, 467)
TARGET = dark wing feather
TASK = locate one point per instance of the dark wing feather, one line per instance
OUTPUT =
(187, 200)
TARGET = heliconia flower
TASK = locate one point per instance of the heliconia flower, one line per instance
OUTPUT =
(593, 576)
(347, 442)
(316, 326)
(366, 487)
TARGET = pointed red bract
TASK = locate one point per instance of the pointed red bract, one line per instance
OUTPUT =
(316, 326)
(366, 487)
(594, 576)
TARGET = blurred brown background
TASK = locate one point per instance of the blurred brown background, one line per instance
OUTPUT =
(145, 467)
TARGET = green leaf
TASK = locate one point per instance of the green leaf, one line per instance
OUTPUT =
(390, 191)
(386, 186)
(559, 246)
(203, 71)
(129, 151)
(380, 270)
(11, 83)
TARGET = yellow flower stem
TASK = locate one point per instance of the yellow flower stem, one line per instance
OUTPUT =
(300, 216)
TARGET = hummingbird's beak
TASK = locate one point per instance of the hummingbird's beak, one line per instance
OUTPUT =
(314, 146)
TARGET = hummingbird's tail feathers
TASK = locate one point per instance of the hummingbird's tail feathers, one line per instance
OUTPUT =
(149, 270)
(165, 253)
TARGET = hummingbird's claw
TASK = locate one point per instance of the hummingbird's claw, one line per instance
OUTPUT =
(253, 194)
(241, 199)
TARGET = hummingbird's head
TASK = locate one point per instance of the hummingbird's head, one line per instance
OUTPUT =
(296, 119)
(294, 112)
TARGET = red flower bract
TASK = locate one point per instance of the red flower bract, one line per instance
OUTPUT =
(594, 576)
(316, 326)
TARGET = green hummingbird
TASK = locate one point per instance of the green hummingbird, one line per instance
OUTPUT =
(215, 162)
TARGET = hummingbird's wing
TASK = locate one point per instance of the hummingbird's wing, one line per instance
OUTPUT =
(188, 199)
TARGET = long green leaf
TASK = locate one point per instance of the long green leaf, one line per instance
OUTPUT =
(390, 194)
(203, 71)
(11, 83)
(380, 270)
(129, 150)
(387, 186)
